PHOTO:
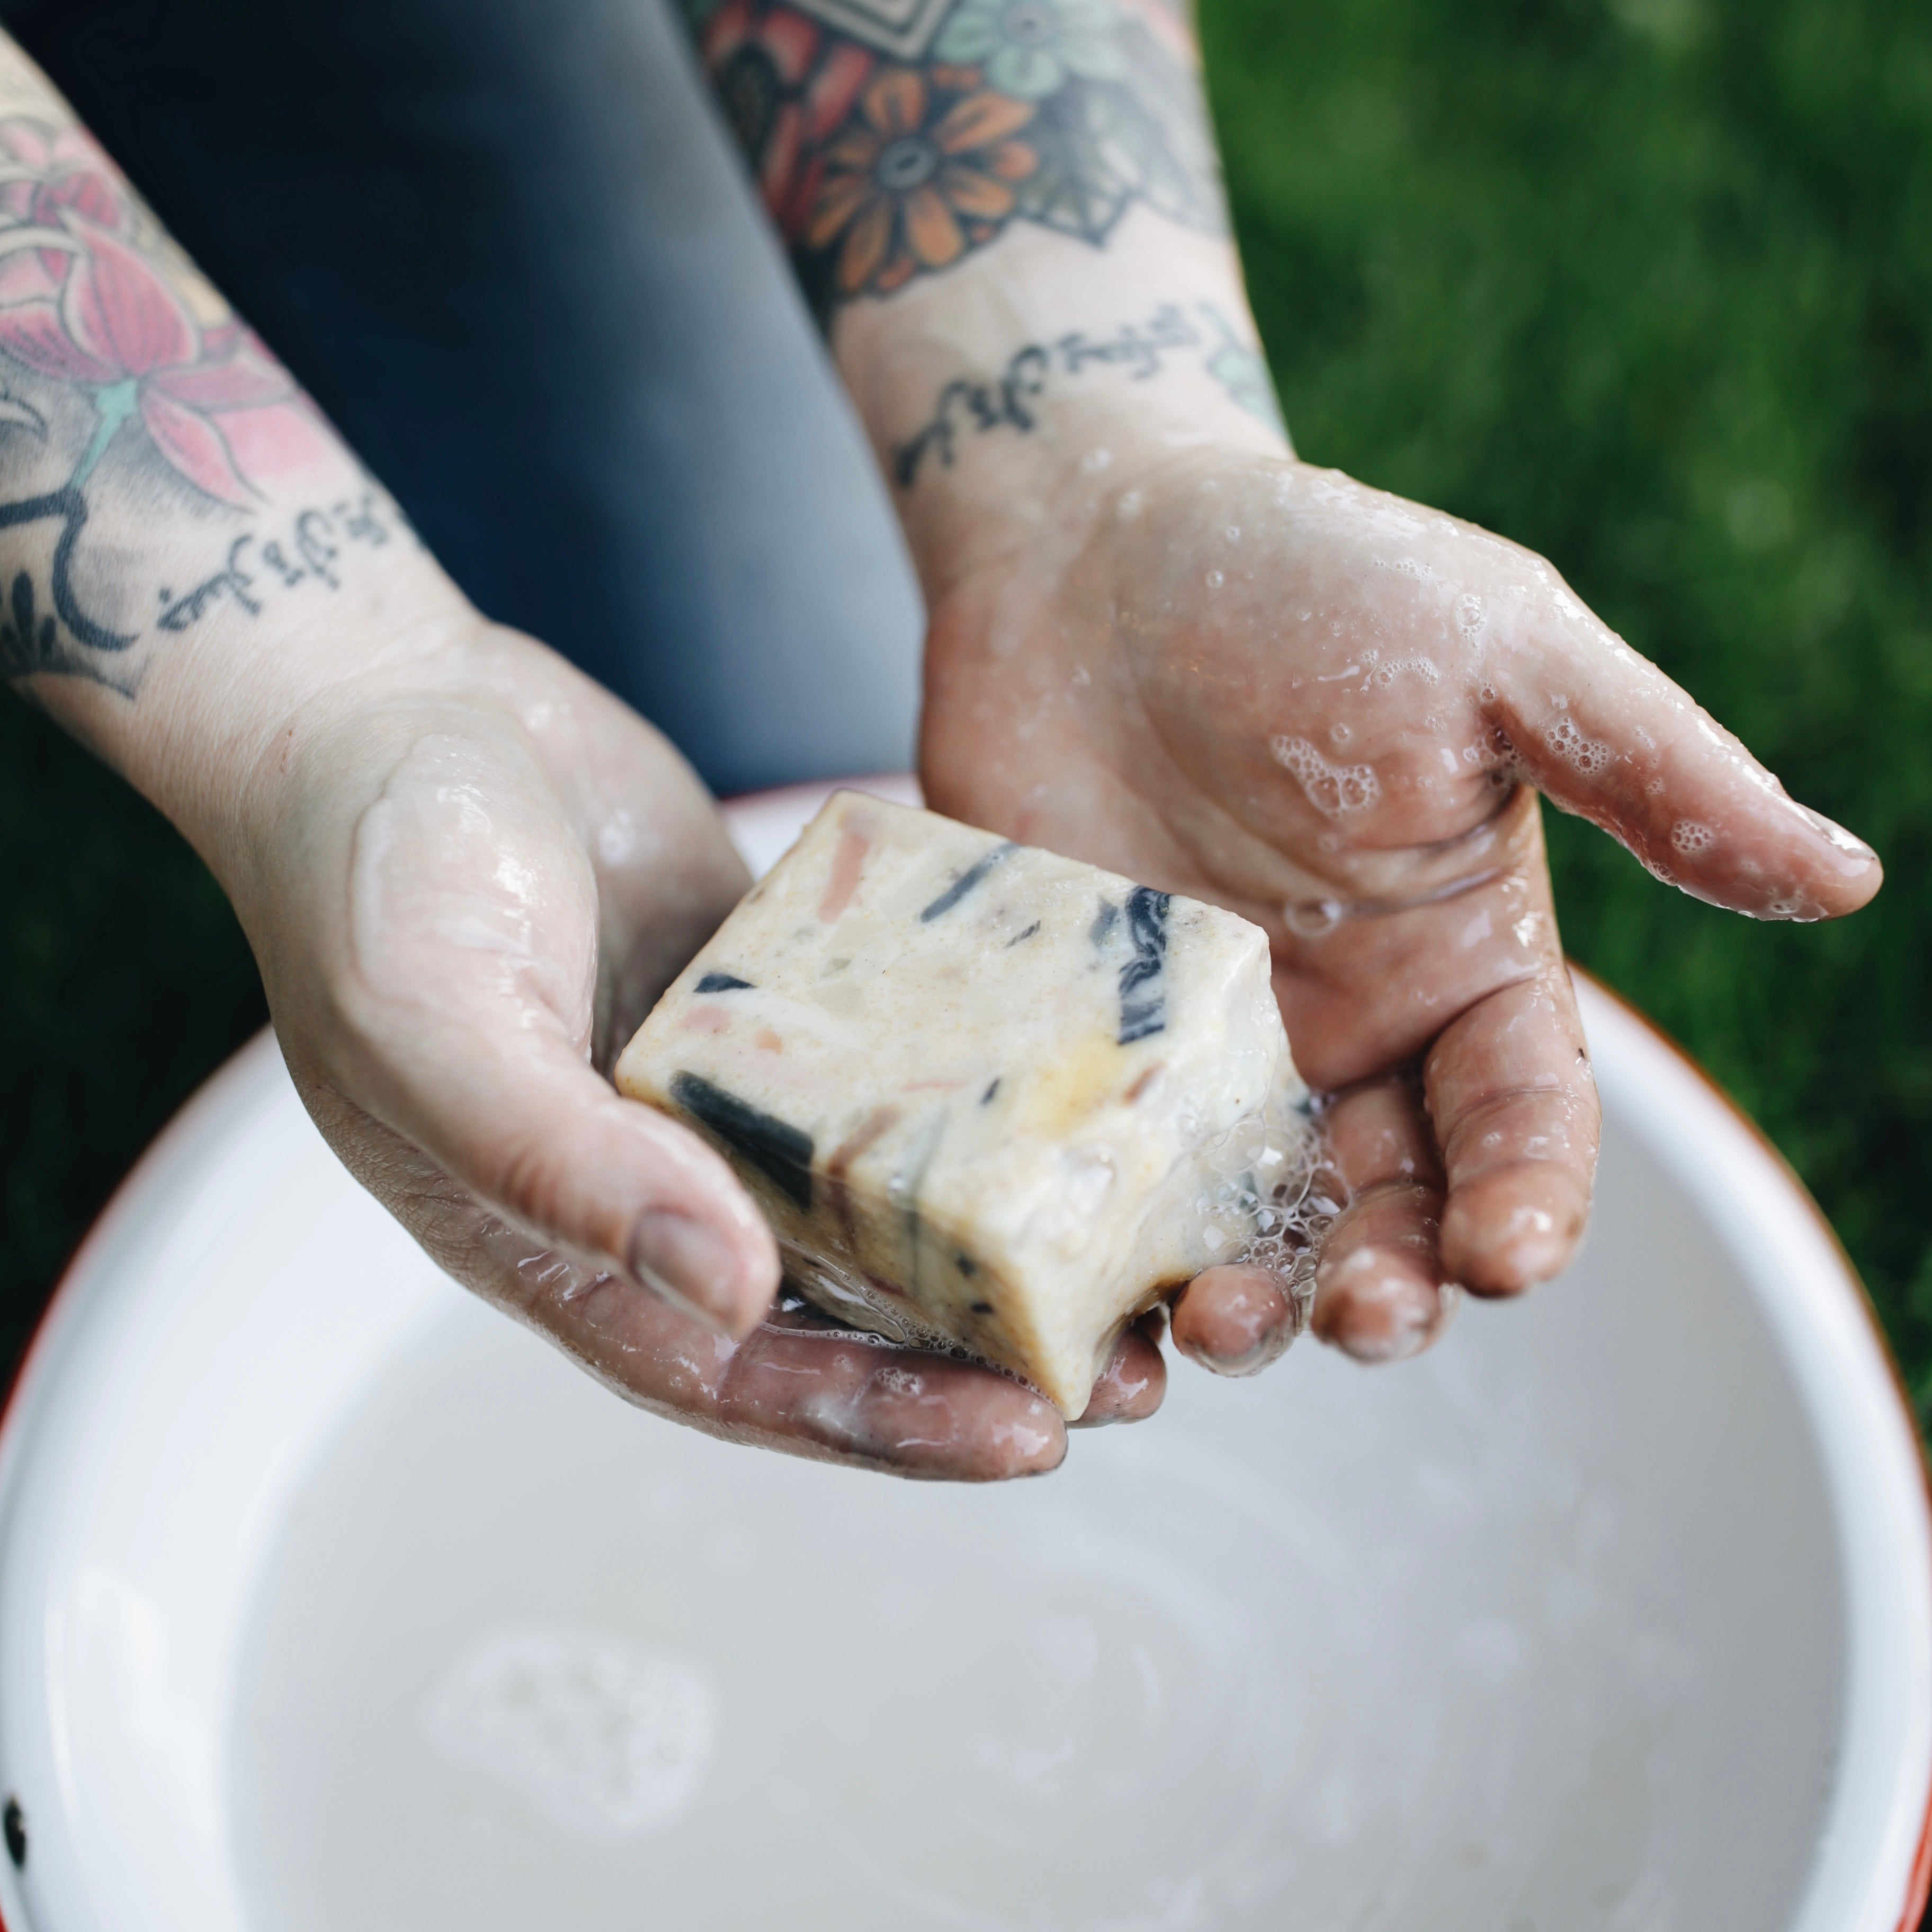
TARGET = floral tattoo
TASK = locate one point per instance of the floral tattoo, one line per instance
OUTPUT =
(114, 352)
(891, 138)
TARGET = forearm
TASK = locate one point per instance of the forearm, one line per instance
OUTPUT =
(1010, 221)
(189, 553)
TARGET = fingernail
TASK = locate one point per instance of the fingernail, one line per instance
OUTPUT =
(1846, 842)
(691, 1265)
(1378, 1316)
(1266, 1346)
(1406, 1329)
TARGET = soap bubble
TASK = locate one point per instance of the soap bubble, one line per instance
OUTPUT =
(1333, 790)
(1567, 740)
(606, 1741)
(1260, 1201)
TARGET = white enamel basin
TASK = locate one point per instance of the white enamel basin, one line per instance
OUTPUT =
(329, 1600)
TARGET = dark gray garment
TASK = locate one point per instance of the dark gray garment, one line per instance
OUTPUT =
(506, 246)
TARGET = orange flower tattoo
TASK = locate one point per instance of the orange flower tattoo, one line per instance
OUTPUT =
(915, 174)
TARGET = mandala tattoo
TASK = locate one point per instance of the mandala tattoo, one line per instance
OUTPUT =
(892, 138)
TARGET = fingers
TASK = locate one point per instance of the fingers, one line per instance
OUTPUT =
(1235, 1320)
(1380, 1291)
(1607, 735)
(1514, 1104)
(808, 1389)
(1129, 1388)
(1375, 986)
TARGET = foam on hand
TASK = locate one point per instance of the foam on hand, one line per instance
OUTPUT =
(990, 1099)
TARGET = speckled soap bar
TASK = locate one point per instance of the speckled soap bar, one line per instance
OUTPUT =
(974, 1086)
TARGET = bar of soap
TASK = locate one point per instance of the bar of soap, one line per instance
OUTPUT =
(977, 1088)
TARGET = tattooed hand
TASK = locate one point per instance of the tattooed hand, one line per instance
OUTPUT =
(1158, 642)
(467, 870)
(1239, 677)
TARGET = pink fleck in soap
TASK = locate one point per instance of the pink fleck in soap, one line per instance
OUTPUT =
(977, 1088)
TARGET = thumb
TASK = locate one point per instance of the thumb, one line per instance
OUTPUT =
(1601, 732)
(454, 1006)
(531, 1132)
(620, 1184)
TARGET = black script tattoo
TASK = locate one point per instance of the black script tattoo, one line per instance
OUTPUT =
(1141, 350)
(311, 552)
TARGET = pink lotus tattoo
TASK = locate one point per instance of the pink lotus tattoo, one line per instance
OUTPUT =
(113, 325)
(88, 299)
(81, 303)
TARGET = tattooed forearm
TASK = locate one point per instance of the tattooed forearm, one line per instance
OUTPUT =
(893, 138)
(141, 425)
(1011, 400)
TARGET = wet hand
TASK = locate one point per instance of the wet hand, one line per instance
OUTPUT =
(1239, 677)
(465, 891)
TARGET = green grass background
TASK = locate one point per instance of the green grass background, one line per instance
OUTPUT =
(1645, 284)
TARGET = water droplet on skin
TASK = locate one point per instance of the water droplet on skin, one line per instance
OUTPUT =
(1313, 919)
(1215, 580)
(1836, 835)
(617, 837)
(1096, 461)
(1338, 735)
(1233, 533)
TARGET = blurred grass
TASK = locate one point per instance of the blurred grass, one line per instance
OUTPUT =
(1647, 285)
(123, 982)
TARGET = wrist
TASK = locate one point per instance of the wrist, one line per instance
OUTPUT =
(222, 628)
(1007, 401)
